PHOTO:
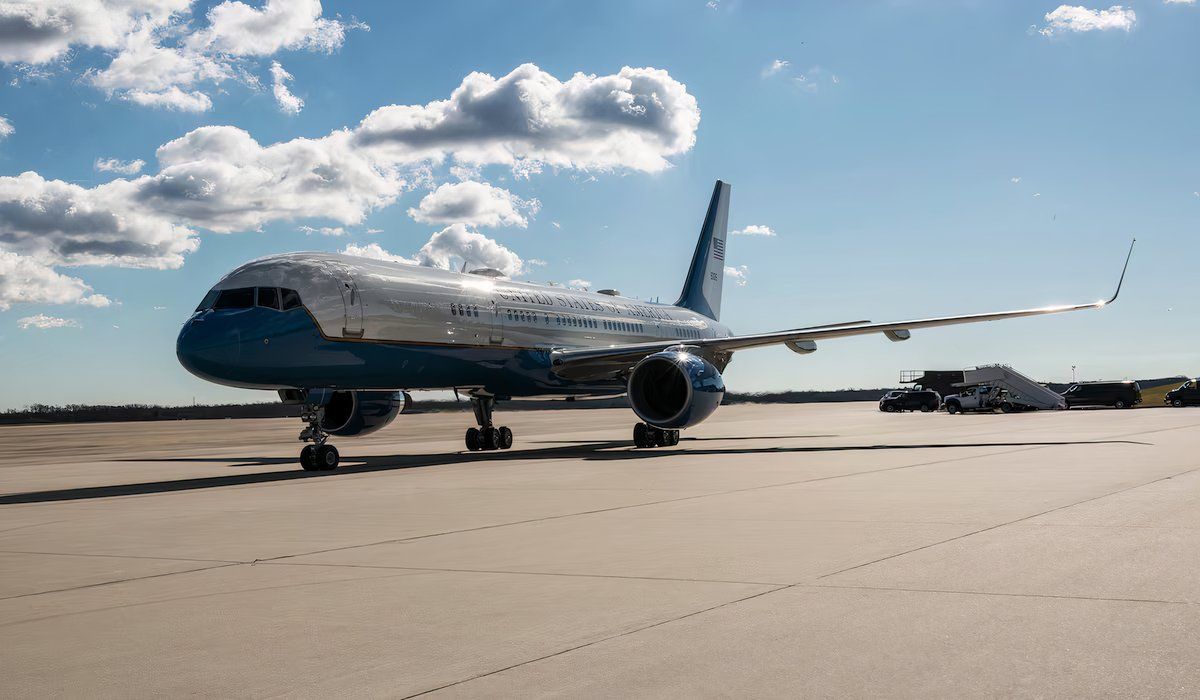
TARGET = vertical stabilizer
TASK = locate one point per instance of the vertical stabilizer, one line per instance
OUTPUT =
(702, 289)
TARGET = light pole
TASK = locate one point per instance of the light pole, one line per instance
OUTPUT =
(1072, 374)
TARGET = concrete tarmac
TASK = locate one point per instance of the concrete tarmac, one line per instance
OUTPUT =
(783, 551)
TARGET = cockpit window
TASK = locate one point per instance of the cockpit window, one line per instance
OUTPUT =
(207, 301)
(242, 298)
(268, 297)
(291, 299)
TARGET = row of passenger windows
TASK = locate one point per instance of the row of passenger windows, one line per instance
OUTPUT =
(570, 321)
(624, 326)
(687, 333)
(246, 297)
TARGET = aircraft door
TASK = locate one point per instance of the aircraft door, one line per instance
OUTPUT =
(497, 334)
(351, 299)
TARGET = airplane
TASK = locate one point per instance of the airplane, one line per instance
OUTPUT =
(347, 337)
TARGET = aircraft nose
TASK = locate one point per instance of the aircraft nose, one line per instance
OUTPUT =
(205, 349)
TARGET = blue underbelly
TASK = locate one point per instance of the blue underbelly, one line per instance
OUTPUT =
(266, 349)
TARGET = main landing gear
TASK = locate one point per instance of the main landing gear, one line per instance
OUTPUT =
(487, 436)
(649, 436)
(317, 457)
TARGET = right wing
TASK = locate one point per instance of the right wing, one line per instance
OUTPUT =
(596, 363)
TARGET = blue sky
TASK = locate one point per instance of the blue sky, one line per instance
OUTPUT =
(911, 158)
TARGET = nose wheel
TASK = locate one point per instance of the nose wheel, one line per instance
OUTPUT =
(319, 456)
(650, 436)
(487, 436)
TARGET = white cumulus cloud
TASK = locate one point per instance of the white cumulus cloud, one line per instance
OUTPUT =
(457, 242)
(753, 230)
(375, 252)
(474, 204)
(6, 128)
(288, 103)
(448, 249)
(580, 284)
(42, 321)
(738, 273)
(64, 224)
(160, 58)
(635, 119)
(324, 230)
(40, 31)
(220, 178)
(1076, 18)
(25, 280)
(121, 167)
(240, 29)
(172, 99)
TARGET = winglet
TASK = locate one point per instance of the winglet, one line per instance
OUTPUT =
(1123, 269)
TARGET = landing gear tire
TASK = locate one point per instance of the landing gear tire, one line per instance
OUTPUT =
(308, 458)
(491, 438)
(319, 456)
(326, 458)
(641, 435)
(650, 436)
(487, 436)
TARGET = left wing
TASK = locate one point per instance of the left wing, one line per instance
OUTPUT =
(591, 363)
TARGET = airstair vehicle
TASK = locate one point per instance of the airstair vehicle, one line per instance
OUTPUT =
(1010, 389)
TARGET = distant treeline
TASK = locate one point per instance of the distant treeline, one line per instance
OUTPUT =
(78, 413)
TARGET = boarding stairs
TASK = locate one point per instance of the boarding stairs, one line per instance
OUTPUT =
(1021, 389)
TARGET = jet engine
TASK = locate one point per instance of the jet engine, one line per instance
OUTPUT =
(361, 412)
(675, 389)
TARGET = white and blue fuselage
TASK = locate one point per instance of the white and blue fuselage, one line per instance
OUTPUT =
(362, 323)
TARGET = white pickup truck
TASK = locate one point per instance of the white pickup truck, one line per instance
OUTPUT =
(978, 398)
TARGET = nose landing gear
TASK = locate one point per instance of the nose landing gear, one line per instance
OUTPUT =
(487, 436)
(649, 436)
(317, 457)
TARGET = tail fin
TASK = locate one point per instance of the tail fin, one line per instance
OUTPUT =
(702, 288)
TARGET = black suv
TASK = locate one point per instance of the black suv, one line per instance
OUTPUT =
(1187, 394)
(1126, 394)
(916, 400)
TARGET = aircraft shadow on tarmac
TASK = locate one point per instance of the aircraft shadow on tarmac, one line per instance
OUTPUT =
(607, 450)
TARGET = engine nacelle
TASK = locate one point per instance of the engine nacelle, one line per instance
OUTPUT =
(361, 412)
(675, 389)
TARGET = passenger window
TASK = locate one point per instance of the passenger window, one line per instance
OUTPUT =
(235, 299)
(268, 297)
(291, 299)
